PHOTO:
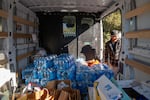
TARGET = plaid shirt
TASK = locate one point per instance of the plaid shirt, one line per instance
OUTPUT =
(112, 51)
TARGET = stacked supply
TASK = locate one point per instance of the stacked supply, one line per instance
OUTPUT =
(62, 67)
(82, 76)
(66, 67)
(101, 69)
(41, 72)
(85, 76)
(27, 73)
(44, 62)
(51, 68)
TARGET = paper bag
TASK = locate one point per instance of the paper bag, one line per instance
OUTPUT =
(63, 95)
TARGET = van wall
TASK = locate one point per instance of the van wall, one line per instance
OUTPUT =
(17, 25)
(137, 47)
(143, 22)
(21, 48)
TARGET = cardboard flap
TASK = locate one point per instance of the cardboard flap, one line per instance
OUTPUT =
(107, 90)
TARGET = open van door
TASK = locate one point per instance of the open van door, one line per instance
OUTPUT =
(135, 52)
(135, 37)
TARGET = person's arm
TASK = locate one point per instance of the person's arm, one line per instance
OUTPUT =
(119, 48)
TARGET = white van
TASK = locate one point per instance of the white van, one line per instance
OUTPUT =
(64, 26)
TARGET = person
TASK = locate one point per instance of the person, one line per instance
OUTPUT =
(90, 55)
(112, 50)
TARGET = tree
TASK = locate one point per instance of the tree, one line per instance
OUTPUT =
(111, 22)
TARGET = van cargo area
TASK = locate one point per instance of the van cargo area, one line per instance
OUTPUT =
(41, 50)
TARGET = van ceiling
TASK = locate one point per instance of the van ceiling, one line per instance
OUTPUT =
(67, 5)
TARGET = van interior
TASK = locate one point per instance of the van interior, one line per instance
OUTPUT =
(64, 27)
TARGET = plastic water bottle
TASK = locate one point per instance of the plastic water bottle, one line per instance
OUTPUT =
(35, 74)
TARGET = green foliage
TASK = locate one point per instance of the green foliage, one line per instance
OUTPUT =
(111, 22)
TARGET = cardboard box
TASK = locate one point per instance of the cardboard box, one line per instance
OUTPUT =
(95, 91)
(65, 93)
(31, 95)
(38, 95)
(107, 90)
(74, 94)
(55, 94)
(22, 97)
(90, 93)
(53, 84)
